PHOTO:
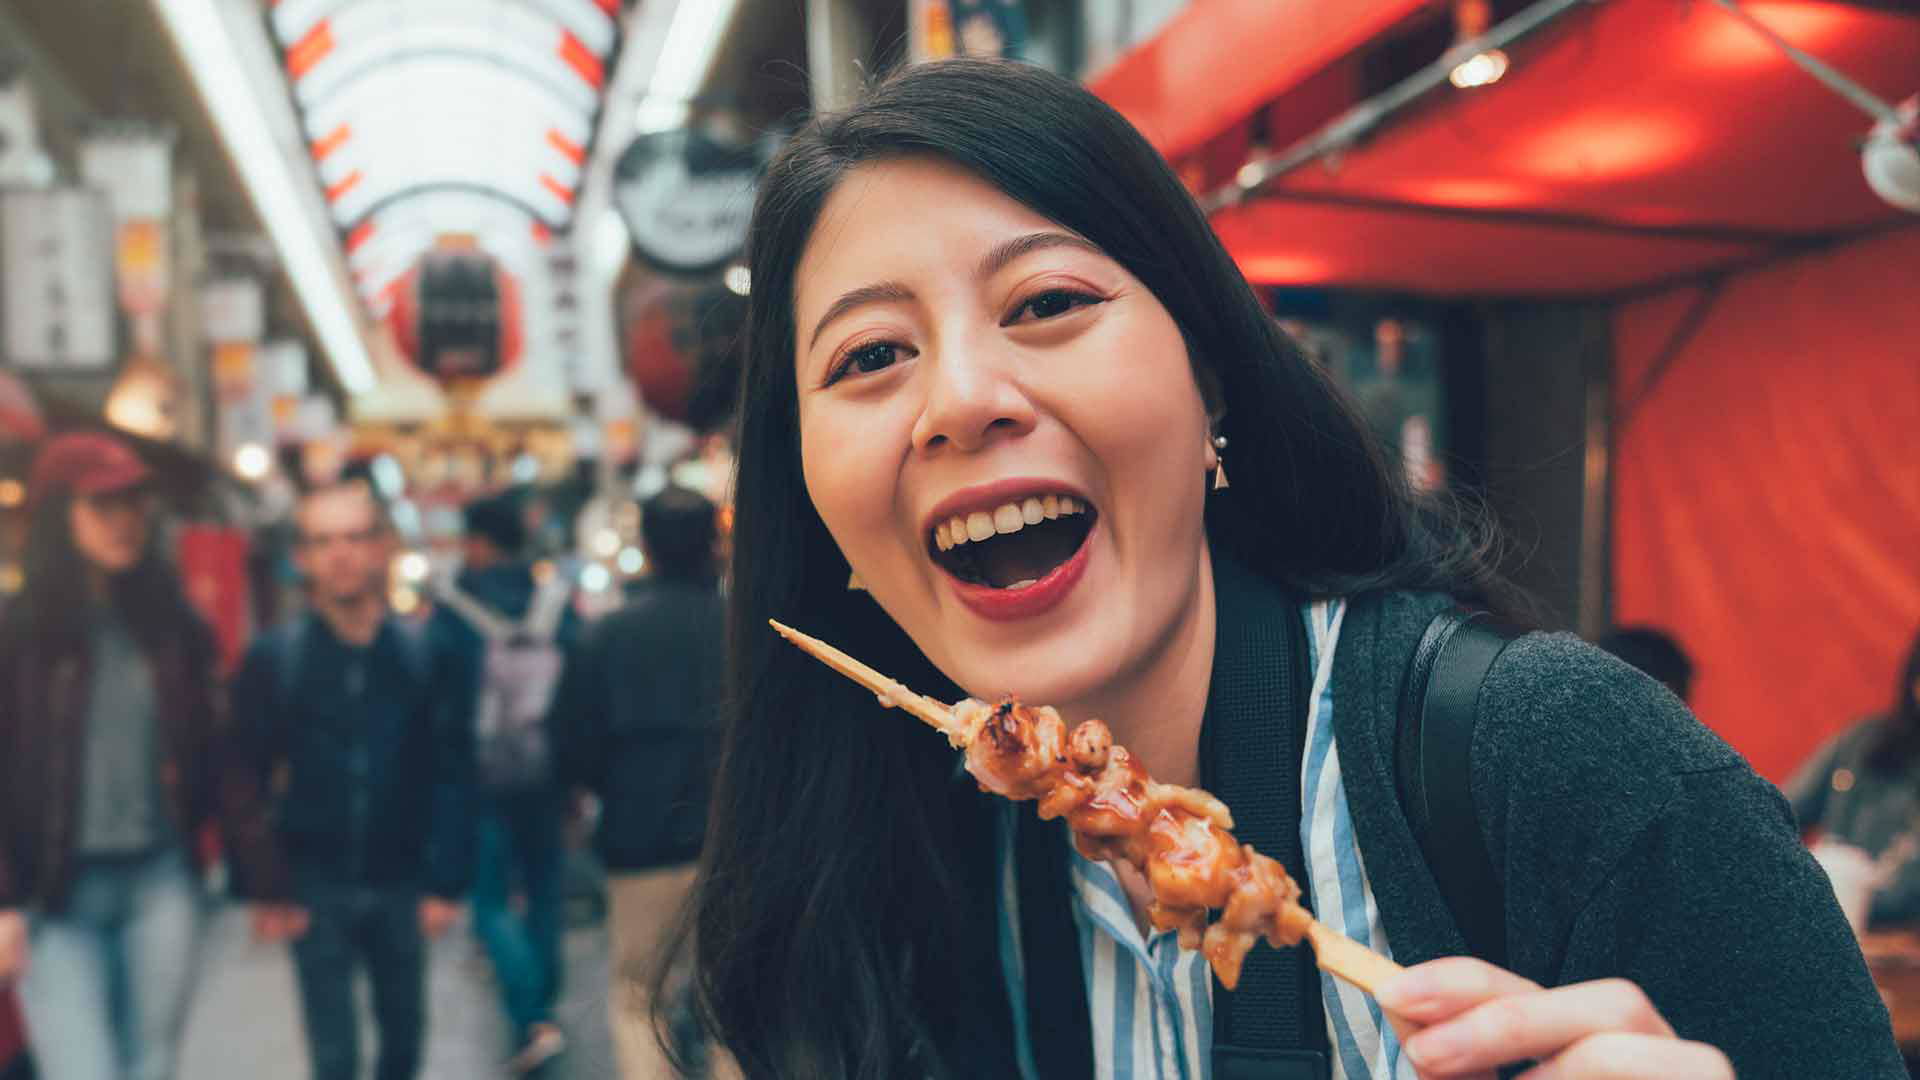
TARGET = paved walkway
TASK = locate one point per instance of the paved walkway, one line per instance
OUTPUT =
(245, 1023)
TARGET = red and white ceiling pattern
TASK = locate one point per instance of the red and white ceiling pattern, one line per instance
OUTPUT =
(434, 117)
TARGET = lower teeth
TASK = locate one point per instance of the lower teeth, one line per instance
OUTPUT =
(1024, 584)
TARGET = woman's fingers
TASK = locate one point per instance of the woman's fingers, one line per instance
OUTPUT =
(1618, 1055)
(1537, 1025)
(1439, 989)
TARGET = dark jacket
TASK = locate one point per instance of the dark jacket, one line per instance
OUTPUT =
(371, 766)
(1630, 841)
(43, 709)
(636, 721)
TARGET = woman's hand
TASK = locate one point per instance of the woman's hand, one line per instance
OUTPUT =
(436, 915)
(1462, 1018)
(276, 923)
(13, 943)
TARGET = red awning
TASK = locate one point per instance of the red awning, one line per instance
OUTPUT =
(1219, 60)
(1632, 142)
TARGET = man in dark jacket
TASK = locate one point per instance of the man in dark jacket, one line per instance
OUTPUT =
(508, 633)
(636, 724)
(350, 711)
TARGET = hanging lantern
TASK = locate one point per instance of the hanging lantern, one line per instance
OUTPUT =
(1891, 157)
(456, 316)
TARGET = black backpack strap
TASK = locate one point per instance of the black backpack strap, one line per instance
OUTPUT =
(1058, 1021)
(1433, 759)
(1271, 1026)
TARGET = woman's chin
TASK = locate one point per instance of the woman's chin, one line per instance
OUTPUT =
(1057, 671)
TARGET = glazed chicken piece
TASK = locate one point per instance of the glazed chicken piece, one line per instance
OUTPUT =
(1176, 837)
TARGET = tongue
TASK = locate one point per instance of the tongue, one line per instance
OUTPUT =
(1026, 556)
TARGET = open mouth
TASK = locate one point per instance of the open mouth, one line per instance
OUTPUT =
(1014, 545)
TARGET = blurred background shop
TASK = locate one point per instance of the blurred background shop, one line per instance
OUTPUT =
(1646, 273)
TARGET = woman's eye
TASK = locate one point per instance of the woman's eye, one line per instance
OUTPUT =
(1053, 302)
(866, 359)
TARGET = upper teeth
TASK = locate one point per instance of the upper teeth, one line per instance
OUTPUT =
(1006, 518)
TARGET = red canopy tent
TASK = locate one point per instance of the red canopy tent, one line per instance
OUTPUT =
(1663, 157)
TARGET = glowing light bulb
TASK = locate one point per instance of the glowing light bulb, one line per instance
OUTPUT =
(632, 561)
(595, 579)
(413, 567)
(606, 543)
(738, 279)
(252, 462)
(1480, 69)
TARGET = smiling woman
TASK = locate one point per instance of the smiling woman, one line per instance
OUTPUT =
(996, 358)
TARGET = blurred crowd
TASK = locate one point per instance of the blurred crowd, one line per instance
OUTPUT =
(361, 778)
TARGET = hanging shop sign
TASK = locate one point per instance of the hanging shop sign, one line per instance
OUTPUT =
(283, 370)
(686, 196)
(56, 280)
(134, 168)
(233, 316)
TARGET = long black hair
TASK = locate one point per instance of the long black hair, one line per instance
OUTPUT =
(56, 596)
(1899, 742)
(844, 911)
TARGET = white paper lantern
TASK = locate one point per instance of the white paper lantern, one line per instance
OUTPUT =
(1891, 157)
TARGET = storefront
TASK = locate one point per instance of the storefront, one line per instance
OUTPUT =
(1658, 225)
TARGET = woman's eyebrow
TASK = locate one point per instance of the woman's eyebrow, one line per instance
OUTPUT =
(1006, 252)
(880, 293)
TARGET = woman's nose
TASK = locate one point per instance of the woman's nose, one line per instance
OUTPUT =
(974, 397)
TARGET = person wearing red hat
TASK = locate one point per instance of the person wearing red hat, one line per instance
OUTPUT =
(110, 765)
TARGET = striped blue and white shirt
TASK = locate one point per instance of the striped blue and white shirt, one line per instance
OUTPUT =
(1152, 1004)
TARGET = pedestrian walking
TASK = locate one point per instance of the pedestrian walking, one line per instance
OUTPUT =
(636, 721)
(353, 715)
(507, 633)
(112, 762)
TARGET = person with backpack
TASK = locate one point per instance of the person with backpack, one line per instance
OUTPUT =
(636, 723)
(350, 711)
(508, 633)
(998, 368)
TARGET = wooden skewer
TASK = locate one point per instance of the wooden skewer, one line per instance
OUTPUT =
(1336, 953)
(892, 693)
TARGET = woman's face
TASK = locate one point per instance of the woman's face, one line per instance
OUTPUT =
(110, 530)
(1001, 428)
